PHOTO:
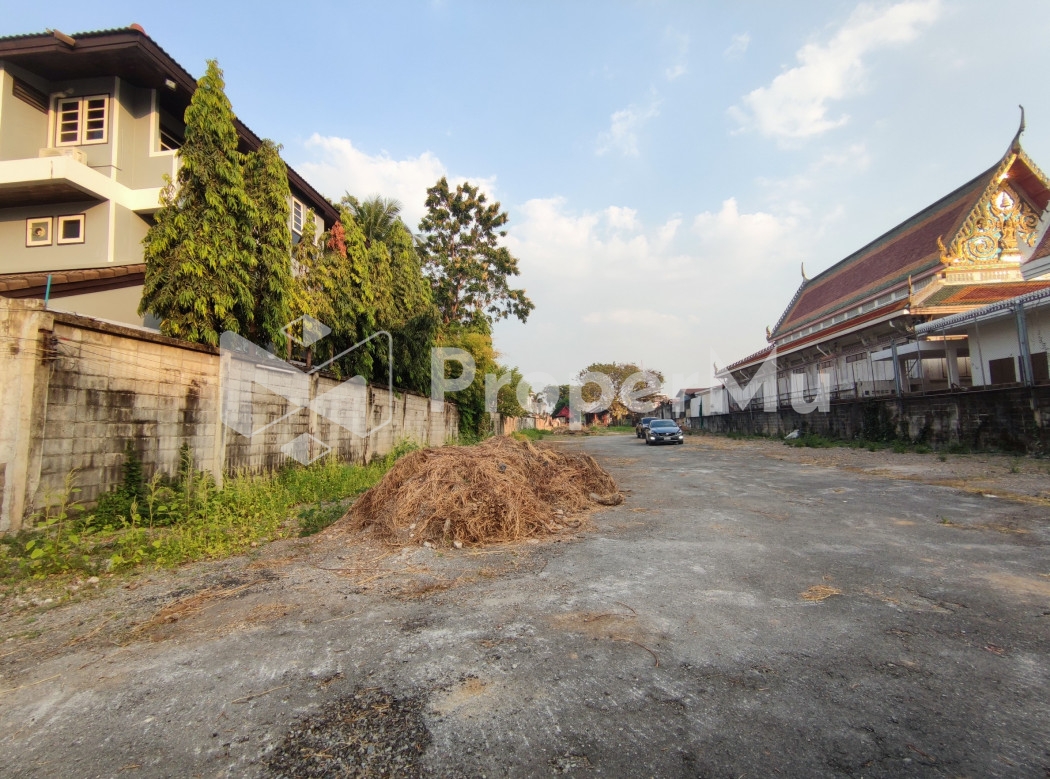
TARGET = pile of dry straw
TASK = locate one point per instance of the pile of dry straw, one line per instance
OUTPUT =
(499, 490)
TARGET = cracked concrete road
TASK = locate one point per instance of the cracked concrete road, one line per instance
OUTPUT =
(739, 615)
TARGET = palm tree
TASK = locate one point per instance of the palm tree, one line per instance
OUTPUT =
(376, 216)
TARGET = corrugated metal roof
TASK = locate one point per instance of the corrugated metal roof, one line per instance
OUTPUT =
(1039, 297)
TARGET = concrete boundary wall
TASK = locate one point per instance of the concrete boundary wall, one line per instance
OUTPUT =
(75, 391)
(1011, 419)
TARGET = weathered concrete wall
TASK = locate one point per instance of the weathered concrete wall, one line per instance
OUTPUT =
(1013, 419)
(75, 391)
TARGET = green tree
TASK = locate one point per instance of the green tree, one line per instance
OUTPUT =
(376, 216)
(314, 282)
(619, 373)
(266, 181)
(561, 392)
(469, 270)
(200, 252)
(409, 314)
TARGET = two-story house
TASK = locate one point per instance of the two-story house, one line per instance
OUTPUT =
(89, 126)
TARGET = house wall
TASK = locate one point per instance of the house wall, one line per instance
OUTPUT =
(16, 257)
(23, 128)
(75, 391)
(1038, 323)
(140, 162)
(100, 156)
(996, 339)
(129, 230)
(114, 305)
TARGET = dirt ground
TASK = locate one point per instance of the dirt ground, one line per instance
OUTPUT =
(751, 609)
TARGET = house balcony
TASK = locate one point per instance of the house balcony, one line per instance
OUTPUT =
(64, 178)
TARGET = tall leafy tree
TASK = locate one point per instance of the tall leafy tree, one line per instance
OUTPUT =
(469, 270)
(314, 280)
(200, 252)
(619, 373)
(266, 181)
(411, 318)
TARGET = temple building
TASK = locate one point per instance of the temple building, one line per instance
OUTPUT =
(852, 327)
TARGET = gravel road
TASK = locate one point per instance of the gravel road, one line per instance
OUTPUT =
(750, 610)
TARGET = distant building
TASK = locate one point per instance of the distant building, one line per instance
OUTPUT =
(854, 323)
(89, 126)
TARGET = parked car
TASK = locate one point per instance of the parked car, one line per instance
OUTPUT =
(643, 426)
(664, 431)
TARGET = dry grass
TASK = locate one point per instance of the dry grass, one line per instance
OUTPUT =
(500, 490)
(819, 592)
(192, 604)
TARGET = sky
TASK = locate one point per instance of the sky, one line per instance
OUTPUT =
(667, 167)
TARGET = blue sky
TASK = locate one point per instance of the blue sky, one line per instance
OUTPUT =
(666, 166)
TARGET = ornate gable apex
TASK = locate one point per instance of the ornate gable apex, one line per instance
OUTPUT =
(990, 224)
(1002, 228)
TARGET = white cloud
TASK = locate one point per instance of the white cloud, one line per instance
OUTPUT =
(622, 135)
(666, 232)
(796, 103)
(737, 45)
(834, 168)
(632, 317)
(338, 167)
(657, 295)
(678, 43)
(622, 218)
(674, 72)
(752, 241)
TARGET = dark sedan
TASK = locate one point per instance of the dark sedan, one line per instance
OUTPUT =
(663, 431)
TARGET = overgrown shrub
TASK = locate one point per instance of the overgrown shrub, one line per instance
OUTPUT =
(185, 518)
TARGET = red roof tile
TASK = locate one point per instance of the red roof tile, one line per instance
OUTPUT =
(1042, 249)
(908, 249)
(979, 294)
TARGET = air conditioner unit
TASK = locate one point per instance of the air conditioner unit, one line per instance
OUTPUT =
(66, 151)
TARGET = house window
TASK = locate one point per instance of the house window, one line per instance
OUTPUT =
(298, 218)
(1002, 371)
(169, 141)
(28, 94)
(82, 120)
(70, 229)
(1040, 368)
(38, 232)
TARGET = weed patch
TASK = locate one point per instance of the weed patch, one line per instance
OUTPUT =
(530, 435)
(175, 521)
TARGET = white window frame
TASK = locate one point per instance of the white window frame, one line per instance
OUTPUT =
(32, 222)
(62, 221)
(80, 130)
(298, 205)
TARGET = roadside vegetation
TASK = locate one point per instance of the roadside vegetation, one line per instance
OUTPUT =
(168, 521)
(217, 260)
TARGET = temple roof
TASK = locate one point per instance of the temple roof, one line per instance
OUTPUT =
(966, 296)
(1042, 249)
(911, 248)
